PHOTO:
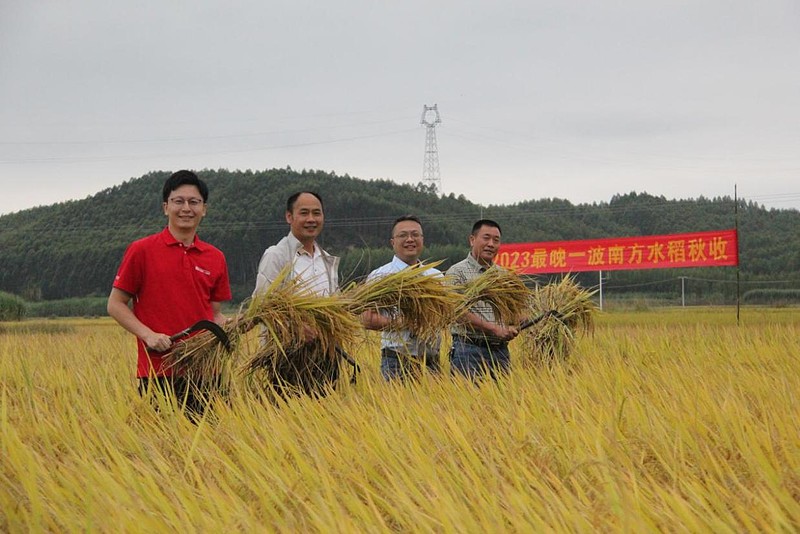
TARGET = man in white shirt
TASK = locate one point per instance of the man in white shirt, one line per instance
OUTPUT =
(402, 355)
(316, 268)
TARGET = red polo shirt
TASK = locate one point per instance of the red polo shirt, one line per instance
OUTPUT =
(172, 285)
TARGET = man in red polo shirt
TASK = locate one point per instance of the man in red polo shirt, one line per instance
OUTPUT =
(174, 280)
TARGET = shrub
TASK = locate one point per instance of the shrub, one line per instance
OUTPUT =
(12, 307)
(73, 307)
(773, 297)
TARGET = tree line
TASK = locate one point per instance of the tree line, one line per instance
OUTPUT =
(72, 249)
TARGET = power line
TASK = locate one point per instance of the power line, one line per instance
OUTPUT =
(203, 153)
(743, 281)
(642, 284)
(199, 137)
(569, 145)
(677, 279)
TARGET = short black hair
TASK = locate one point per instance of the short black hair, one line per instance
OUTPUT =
(184, 177)
(406, 218)
(293, 198)
(485, 222)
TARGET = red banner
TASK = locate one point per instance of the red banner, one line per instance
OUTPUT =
(698, 249)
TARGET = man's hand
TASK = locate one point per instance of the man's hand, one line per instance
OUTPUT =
(157, 342)
(374, 320)
(506, 333)
(309, 334)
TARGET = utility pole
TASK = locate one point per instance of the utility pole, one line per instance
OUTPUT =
(600, 279)
(430, 165)
(683, 291)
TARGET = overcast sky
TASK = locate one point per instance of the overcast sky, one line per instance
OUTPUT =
(575, 100)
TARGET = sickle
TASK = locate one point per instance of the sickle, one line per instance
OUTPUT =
(530, 322)
(204, 324)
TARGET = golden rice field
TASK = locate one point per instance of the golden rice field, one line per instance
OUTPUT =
(675, 421)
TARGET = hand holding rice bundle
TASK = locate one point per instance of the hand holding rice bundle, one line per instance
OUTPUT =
(301, 339)
(501, 289)
(420, 303)
(205, 355)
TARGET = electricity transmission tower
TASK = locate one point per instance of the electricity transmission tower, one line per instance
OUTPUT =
(430, 165)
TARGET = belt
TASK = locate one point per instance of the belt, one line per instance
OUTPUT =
(390, 352)
(480, 341)
(397, 352)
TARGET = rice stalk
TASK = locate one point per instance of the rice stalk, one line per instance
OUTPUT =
(567, 310)
(201, 356)
(302, 334)
(501, 289)
(423, 304)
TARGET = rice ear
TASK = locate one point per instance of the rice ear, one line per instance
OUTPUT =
(553, 339)
(423, 304)
(203, 356)
(200, 356)
(502, 289)
(300, 333)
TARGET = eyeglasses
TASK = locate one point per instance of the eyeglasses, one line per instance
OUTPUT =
(193, 202)
(406, 235)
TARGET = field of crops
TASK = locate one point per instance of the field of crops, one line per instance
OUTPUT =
(675, 420)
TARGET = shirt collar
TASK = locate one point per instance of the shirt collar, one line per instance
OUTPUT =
(297, 245)
(303, 252)
(397, 262)
(170, 240)
(476, 264)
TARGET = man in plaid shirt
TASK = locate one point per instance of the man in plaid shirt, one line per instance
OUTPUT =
(480, 343)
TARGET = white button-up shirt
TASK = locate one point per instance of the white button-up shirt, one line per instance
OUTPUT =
(400, 340)
(311, 270)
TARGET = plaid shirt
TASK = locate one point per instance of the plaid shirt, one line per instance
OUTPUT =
(461, 273)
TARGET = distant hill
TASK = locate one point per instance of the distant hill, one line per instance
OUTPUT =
(72, 249)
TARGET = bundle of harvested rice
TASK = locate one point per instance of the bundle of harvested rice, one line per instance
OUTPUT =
(421, 303)
(306, 369)
(566, 309)
(501, 289)
(202, 356)
(302, 337)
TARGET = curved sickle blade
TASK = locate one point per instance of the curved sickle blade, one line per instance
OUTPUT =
(211, 326)
(530, 322)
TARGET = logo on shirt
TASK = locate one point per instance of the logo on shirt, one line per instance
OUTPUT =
(198, 269)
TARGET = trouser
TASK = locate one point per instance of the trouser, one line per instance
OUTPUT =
(475, 360)
(306, 371)
(401, 365)
(192, 397)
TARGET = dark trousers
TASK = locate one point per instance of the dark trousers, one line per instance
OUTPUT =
(307, 370)
(191, 396)
(477, 360)
(396, 364)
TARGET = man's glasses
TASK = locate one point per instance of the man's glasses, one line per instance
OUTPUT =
(406, 235)
(193, 202)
